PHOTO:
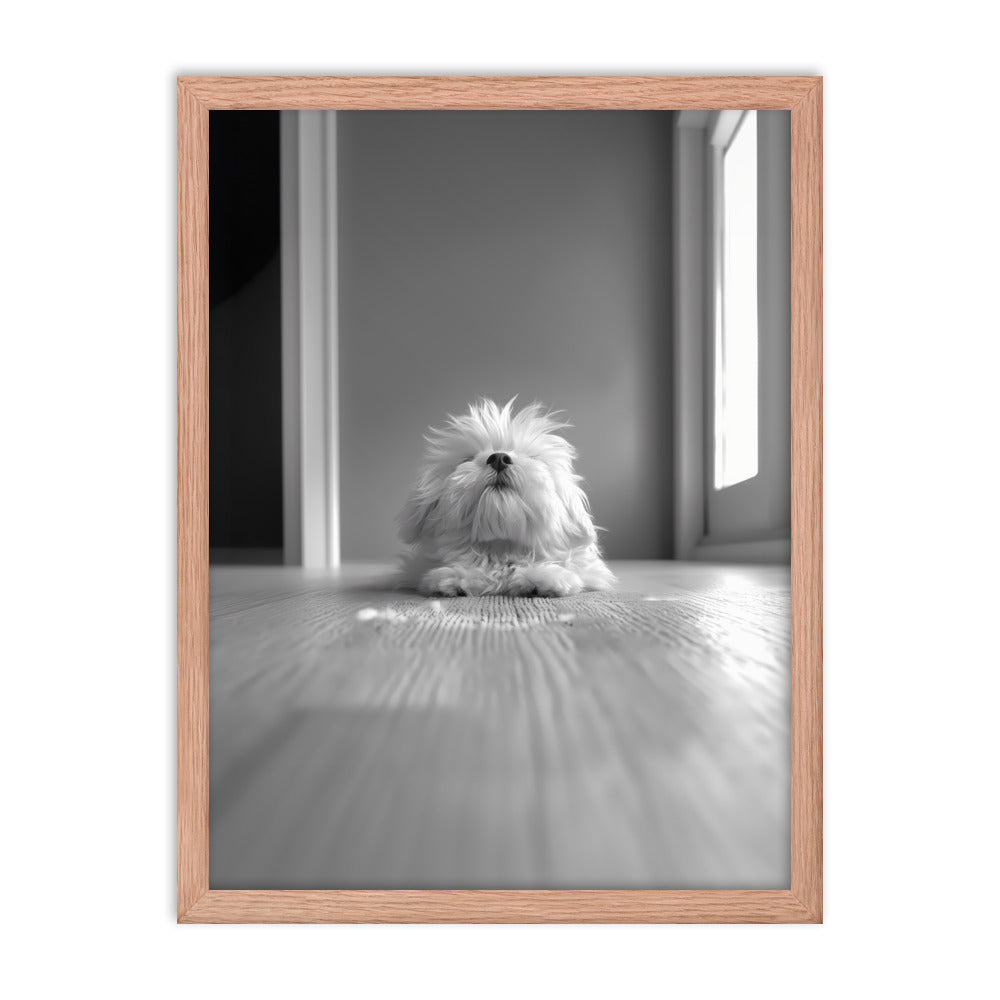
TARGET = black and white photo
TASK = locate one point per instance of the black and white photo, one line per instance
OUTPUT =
(500, 500)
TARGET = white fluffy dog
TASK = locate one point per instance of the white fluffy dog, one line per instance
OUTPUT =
(498, 510)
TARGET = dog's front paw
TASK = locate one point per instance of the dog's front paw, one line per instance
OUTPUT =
(546, 580)
(452, 581)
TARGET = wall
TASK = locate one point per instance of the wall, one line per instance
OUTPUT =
(774, 255)
(502, 253)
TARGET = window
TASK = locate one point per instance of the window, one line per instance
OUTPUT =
(736, 444)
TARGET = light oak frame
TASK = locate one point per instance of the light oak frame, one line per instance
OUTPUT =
(196, 903)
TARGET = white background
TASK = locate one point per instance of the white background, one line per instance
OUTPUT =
(87, 396)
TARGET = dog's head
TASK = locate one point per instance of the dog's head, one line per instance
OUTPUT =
(496, 479)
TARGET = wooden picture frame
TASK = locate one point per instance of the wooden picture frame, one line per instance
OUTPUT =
(196, 902)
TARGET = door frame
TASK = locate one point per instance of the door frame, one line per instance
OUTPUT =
(309, 338)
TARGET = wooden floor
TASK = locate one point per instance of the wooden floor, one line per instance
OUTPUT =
(362, 738)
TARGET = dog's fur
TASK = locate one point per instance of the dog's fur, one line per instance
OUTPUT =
(523, 530)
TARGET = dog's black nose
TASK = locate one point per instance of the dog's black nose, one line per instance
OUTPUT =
(499, 460)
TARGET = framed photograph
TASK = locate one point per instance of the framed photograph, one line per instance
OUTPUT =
(499, 548)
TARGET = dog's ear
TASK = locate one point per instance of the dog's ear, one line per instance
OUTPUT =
(579, 525)
(419, 506)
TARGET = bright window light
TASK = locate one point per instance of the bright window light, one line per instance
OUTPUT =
(736, 312)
